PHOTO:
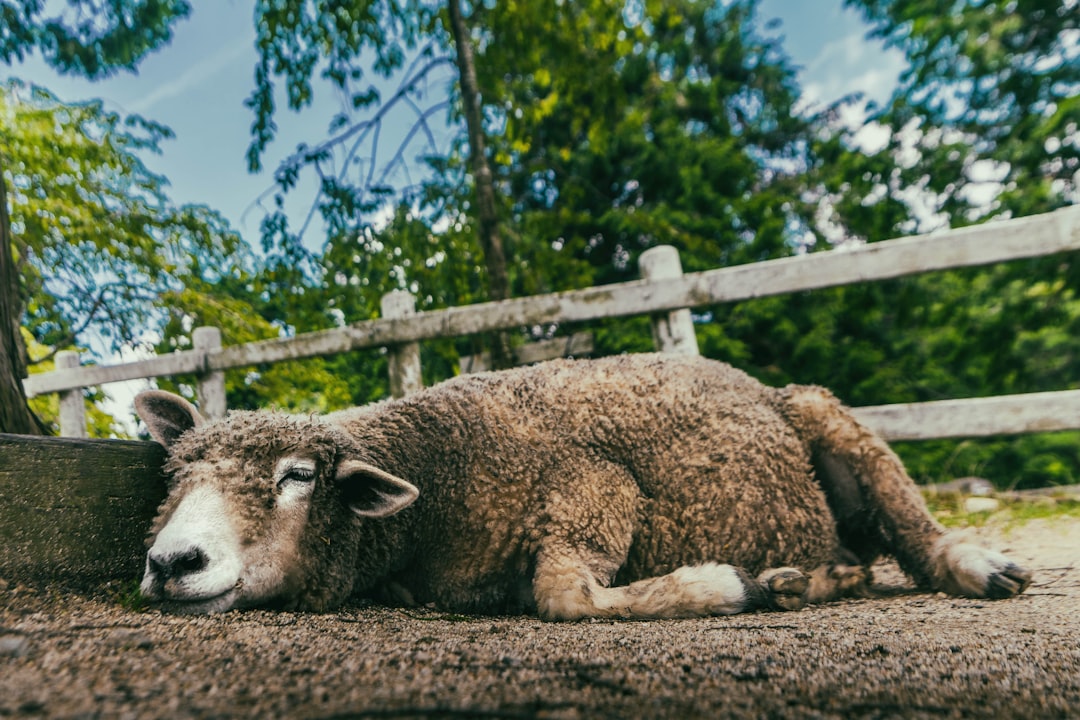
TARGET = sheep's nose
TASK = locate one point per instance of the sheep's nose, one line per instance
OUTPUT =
(176, 564)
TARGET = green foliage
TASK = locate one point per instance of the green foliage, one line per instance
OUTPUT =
(1028, 461)
(94, 235)
(1002, 76)
(681, 132)
(87, 37)
(984, 124)
(107, 261)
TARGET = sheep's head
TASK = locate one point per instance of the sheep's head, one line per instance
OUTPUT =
(252, 498)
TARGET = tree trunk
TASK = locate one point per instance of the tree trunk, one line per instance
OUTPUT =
(486, 211)
(15, 415)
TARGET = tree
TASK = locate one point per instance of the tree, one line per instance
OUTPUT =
(983, 125)
(682, 131)
(15, 416)
(296, 36)
(487, 214)
(992, 88)
(89, 38)
(95, 240)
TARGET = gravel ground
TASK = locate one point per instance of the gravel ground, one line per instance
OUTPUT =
(69, 655)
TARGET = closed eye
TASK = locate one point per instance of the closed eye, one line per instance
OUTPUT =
(295, 471)
(302, 475)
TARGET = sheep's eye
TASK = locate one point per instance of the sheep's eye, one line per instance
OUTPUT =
(300, 475)
(296, 476)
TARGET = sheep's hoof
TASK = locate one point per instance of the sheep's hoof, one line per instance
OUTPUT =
(851, 580)
(1012, 580)
(976, 572)
(785, 588)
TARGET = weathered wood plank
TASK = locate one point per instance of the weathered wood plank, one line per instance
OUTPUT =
(211, 385)
(576, 344)
(975, 417)
(672, 332)
(406, 373)
(1026, 237)
(76, 510)
(1007, 240)
(177, 363)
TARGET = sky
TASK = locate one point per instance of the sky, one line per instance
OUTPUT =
(197, 84)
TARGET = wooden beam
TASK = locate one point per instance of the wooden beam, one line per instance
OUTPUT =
(975, 417)
(978, 245)
(1025, 237)
(76, 510)
(534, 352)
(177, 363)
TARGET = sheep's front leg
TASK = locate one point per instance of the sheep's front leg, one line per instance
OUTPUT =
(566, 589)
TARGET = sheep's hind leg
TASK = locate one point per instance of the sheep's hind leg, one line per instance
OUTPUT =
(567, 590)
(879, 508)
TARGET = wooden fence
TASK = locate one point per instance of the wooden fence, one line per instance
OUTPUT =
(664, 293)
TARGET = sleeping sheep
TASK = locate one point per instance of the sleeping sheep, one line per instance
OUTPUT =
(638, 486)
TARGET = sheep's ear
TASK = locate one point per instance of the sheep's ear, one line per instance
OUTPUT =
(167, 416)
(373, 493)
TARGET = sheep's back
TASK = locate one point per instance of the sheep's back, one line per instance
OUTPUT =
(720, 475)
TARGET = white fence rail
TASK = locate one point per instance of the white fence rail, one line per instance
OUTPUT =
(665, 295)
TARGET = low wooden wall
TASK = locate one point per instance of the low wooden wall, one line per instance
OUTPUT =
(76, 511)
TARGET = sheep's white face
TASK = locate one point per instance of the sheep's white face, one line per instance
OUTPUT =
(212, 553)
(235, 528)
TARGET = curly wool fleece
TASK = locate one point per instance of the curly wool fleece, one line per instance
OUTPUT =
(609, 487)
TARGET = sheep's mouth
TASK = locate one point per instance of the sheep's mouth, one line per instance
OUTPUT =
(202, 606)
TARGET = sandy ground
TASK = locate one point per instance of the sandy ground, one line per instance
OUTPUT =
(70, 655)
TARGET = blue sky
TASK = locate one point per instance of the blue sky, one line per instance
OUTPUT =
(198, 83)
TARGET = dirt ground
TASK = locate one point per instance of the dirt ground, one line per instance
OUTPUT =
(70, 655)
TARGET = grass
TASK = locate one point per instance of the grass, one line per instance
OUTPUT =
(950, 510)
(126, 594)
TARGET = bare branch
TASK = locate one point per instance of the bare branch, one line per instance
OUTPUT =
(350, 155)
(374, 157)
(423, 116)
(399, 156)
(103, 293)
(314, 206)
(402, 91)
(358, 134)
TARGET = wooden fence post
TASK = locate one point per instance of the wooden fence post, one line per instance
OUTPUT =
(673, 332)
(211, 384)
(405, 377)
(72, 405)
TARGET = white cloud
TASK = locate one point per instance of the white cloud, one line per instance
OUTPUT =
(194, 76)
(848, 65)
(872, 137)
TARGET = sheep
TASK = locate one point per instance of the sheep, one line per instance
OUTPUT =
(635, 486)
